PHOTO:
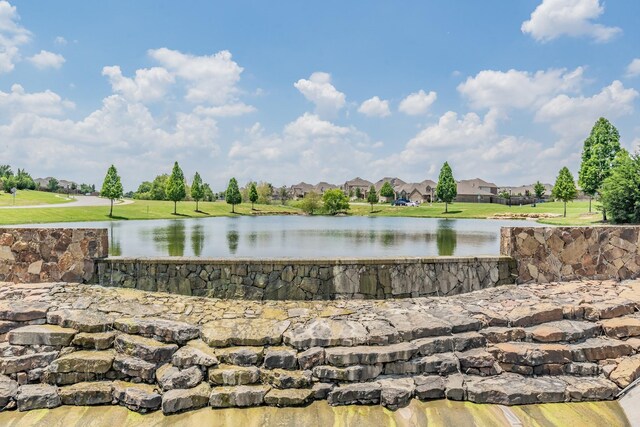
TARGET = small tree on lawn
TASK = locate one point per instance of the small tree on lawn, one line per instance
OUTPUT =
(446, 190)
(310, 202)
(197, 189)
(253, 194)
(358, 193)
(176, 189)
(565, 188)
(372, 197)
(538, 190)
(232, 195)
(111, 187)
(284, 195)
(598, 155)
(335, 201)
(386, 190)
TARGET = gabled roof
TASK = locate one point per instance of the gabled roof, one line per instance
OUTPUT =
(478, 182)
(322, 186)
(303, 186)
(429, 183)
(393, 181)
(358, 182)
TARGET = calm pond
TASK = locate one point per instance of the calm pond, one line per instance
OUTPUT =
(302, 236)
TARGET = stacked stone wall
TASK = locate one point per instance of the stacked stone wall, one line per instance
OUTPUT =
(545, 254)
(50, 254)
(288, 279)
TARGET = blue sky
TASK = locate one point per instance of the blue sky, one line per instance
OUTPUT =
(287, 91)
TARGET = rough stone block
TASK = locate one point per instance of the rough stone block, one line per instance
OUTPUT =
(37, 396)
(180, 400)
(98, 362)
(87, 393)
(244, 332)
(41, 335)
(289, 397)
(240, 396)
(144, 348)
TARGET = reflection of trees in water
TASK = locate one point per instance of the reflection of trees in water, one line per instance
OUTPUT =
(232, 241)
(171, 239)
(446, 238)
(197, 239)
(115, 248)
(252, 239)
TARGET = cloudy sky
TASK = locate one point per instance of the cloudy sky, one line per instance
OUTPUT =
(293, 91)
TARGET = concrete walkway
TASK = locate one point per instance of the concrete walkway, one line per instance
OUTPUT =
(80, 201)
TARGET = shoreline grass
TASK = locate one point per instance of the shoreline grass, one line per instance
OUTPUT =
(577, 212)
(32, 197)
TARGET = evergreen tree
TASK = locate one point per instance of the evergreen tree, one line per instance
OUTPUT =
(253, 194)
(621, 190)
(111, 187)
(565, 188)
(539, 190)
(372, 197)
(233, 196)
(447, 189)
(598, 154)
(197, 190)
(176, 189)
(386, 190)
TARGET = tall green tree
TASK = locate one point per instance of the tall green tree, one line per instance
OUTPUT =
(335, 201)
(111, 187)
(176, 189)
(372, 197)
(538, 189)
(620, 192)
(598, 154)
(232, 195)
(53, 185)
(5, 170)
(253, 194)
(387, 190)
(447, 189)
(197, 190)
(358, 193)
(565, 188)
(284, 195)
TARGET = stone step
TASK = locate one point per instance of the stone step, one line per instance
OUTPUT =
(87, 393)
(238, 396)
(282, 378)
(133, 367)
(241, 356)
(621, 327)
(289, 397)
(96, 362)
(195, 353)
(26, 362)
(228, 375)
(81, 320)
(19, 311)
(144, 348)
(37, 396)
(169, 377)
(137, 397)
(563, 331)
(42, 335)
(535, 354)
(185, 399)
(164, 330)
(244, 332)
(95, 340)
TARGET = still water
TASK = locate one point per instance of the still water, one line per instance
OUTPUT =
(302, 236)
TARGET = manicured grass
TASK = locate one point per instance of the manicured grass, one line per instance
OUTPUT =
(31, 197)
(577, 212)
(139, 209)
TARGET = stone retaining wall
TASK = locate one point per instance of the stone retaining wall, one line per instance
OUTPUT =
(569, 253)
(50, 254)
(281, 279)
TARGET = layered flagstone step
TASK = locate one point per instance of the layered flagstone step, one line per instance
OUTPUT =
(85, 345)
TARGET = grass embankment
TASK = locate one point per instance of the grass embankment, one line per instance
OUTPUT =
(31, 197)
(139, 209)
(577, 212)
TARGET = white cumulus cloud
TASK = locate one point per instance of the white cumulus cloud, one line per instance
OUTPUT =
(148, 85)
(518, 89)
(319, 90)
(45, 59)
(210, 79)
(12, 36)
(417, 103)
(375, 107)
(555, 18)
(633, 69)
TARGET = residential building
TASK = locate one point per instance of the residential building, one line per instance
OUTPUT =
(476, 190)
(298, 191)
(350, 187)
(416, 191)
(322, 186)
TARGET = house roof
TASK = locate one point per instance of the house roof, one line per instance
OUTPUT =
(358, 182)
(472, 186)
(391, 180)
(523, 188)
(322, 185)
(303, 186)
(420, 187)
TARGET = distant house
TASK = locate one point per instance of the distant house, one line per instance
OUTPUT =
(416, 191)
(395, 182)
(350, 187)
(476, 190)
(298, 191)
(62, 183)
(522, 190)
(322, 186)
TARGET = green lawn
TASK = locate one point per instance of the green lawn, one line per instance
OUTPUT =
(577, 212)
(139, 209)
(31, 197)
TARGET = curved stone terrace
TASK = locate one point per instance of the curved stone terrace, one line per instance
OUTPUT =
(78, 344)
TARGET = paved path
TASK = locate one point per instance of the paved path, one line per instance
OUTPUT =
(78, 202)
